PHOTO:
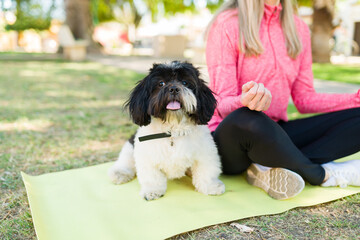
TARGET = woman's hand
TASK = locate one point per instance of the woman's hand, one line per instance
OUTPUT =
(255, 96)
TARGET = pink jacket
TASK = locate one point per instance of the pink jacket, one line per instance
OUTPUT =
(283, 76)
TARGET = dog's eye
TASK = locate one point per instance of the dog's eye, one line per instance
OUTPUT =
(161, 84)
(184, 83)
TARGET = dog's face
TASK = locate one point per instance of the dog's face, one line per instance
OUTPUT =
(171, 90)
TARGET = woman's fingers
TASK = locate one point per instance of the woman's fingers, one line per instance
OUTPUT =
(248, 93)
(265, 101)
(257, 100)
(255, 96)
(269, 98)
(247, 86)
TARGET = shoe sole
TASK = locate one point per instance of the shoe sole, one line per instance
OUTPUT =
(279, 183)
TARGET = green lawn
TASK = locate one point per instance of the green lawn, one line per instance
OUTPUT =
(339, 73)
(56, 115)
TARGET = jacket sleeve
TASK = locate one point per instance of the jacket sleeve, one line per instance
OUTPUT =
(222, 56)
(303, 94)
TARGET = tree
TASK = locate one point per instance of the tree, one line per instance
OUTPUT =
(127, 11)
(81, 15)
(31, 15)
(175, 6)
(79, 18)
(322, 27)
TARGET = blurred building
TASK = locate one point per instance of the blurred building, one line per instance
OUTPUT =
(177, 36)
(8, 41)
(181, 35)
(113, 37)
(349, 29)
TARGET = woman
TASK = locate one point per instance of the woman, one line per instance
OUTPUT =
(258, 55)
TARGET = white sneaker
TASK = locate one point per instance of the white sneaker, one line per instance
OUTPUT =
(279, 183)
(342, 174)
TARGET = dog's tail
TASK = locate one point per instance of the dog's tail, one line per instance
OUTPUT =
(124, 168)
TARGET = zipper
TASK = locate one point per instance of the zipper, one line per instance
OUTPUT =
(271, 44)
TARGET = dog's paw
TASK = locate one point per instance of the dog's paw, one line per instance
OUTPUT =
(152, 195)
(216, 187)
(120, 176)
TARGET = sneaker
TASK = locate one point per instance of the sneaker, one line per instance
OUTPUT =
(279, 183)
(342, 174)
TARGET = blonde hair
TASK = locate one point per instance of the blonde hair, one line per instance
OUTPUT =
(250, 13)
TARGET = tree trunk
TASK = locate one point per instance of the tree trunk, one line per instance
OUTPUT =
(322, 29)
(78, 18)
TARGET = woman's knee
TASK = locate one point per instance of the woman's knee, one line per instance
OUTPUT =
(246, 121)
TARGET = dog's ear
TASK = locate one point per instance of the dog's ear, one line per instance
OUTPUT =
(138, 103)
(206, 104)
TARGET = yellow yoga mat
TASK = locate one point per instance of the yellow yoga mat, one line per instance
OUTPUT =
(83, 204)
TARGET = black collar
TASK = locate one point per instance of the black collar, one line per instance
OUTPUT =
(154, 136)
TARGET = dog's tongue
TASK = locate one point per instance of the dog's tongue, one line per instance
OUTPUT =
(174, 105)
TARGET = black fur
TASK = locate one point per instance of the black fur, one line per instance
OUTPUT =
(138, 103)
(148, 98)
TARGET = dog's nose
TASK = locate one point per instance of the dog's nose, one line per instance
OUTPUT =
(174, 90)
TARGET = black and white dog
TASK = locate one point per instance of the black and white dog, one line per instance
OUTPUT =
(172, 106)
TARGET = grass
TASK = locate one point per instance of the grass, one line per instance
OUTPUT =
(339, 73)
(336, 220)
(56, 115)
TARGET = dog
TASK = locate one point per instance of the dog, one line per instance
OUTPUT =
(172, 106)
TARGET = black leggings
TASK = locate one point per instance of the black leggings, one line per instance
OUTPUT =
(246, 137)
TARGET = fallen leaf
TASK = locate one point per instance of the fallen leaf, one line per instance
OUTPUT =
(242, 228)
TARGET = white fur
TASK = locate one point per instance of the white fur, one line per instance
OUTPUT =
(123, 170)
(189, 100)
(157, 160)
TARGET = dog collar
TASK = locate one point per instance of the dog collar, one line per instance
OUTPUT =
(154, 136)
